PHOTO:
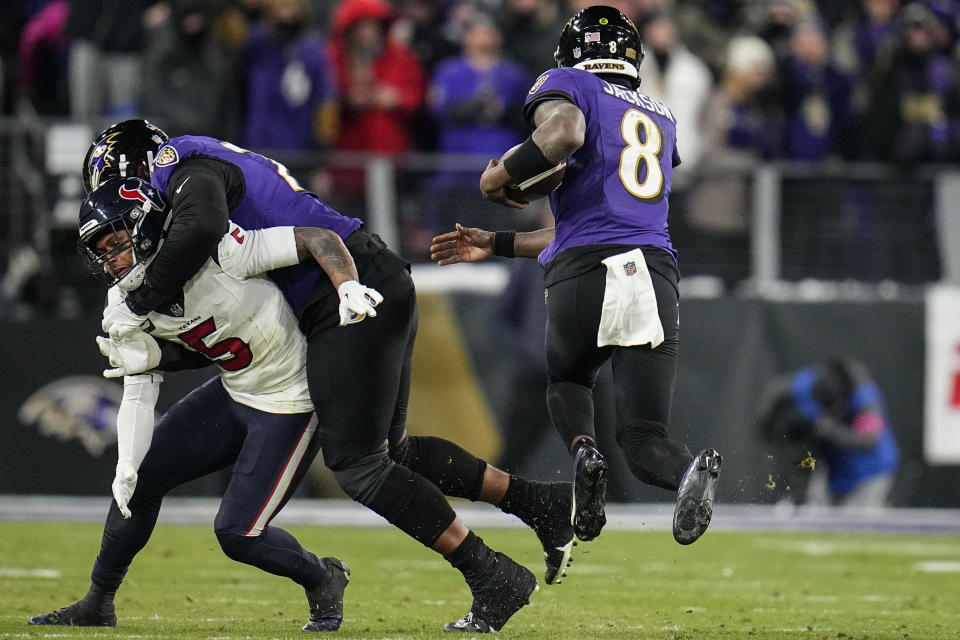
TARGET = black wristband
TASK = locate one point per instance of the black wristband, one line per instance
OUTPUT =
(503, 243)
(527, 161)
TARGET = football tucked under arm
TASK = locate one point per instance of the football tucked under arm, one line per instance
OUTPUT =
(538, 186)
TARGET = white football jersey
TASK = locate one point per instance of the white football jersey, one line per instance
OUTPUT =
(242, 322)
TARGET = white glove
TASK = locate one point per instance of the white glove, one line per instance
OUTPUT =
(129, 356)
(124, 484)
(119, 321)
(357, 302)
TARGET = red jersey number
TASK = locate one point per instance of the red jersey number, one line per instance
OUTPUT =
(239, 349)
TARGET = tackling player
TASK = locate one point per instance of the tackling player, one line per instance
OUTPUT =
(610, 275)
(358, 374)
(256, 415)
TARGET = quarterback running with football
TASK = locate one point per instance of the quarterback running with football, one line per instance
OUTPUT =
(610, 270)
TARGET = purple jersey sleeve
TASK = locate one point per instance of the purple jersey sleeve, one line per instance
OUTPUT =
(272, 198)
(617, 185)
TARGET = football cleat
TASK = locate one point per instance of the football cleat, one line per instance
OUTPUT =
(79, 614)
(589, 492)
(469, 624)
(505, 590)
(695, 497)
(326, 599)
(548, 516)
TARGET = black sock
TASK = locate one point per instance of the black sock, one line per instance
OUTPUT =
(99, 599)
(471, 558)
(515, 497)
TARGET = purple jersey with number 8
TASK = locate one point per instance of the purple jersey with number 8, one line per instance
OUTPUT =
(272, 198)
(617, 185)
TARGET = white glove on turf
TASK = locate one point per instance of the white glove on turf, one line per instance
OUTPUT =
(357, 302)
(138, 353)
(124, 484)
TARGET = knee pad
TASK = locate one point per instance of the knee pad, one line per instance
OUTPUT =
(454, 471)
(405, 499)
(361, 478)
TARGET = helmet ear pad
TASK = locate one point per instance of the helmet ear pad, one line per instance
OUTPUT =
(124, 150)
(601, 40)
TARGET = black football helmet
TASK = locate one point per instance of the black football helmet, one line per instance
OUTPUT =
(130, 205)
(601, 40)
(126, 150)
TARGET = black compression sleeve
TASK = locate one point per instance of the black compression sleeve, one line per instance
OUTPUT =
(527, 161)
(173, 357)
(198, 193)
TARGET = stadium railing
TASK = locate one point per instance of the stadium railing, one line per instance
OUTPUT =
(775, 230)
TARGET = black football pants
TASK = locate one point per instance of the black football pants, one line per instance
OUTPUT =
(643, 377)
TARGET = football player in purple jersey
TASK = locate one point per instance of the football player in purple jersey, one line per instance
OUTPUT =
(610, 270)
(358, 372)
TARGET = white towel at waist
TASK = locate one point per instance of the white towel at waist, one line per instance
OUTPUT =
(630, 315)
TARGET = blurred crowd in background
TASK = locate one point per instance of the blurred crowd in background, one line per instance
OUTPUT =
(821, 82)
(794, 79)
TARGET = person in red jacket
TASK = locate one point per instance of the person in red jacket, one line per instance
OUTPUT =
(382, 84)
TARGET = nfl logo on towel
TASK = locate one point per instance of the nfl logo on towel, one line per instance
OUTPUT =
(630, 268)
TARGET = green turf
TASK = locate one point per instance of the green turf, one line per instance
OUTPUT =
(622, 585)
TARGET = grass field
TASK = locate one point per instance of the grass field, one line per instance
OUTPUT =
(626, 584)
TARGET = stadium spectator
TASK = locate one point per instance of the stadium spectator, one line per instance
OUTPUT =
(743, 123)
(475, 102)
(706, 26)
(382, 89)
(778, 19)
(817, 97)
(530, 30)
(42, 60)
(474, 97)
(291, 101)
(858, 42)
(913, 105)
(832, 441)
(185, 58)
(678, 78)
(425, 27)
(106, 57)
(610, 269)
(359, 374)
(381, 83)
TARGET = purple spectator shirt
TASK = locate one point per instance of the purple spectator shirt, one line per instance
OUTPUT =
(455, 81)
(285, 85)
(617, 185)
(272, 198)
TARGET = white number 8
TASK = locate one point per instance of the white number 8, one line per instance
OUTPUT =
(636, 152)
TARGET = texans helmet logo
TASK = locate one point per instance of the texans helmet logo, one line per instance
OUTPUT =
(137, 193)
